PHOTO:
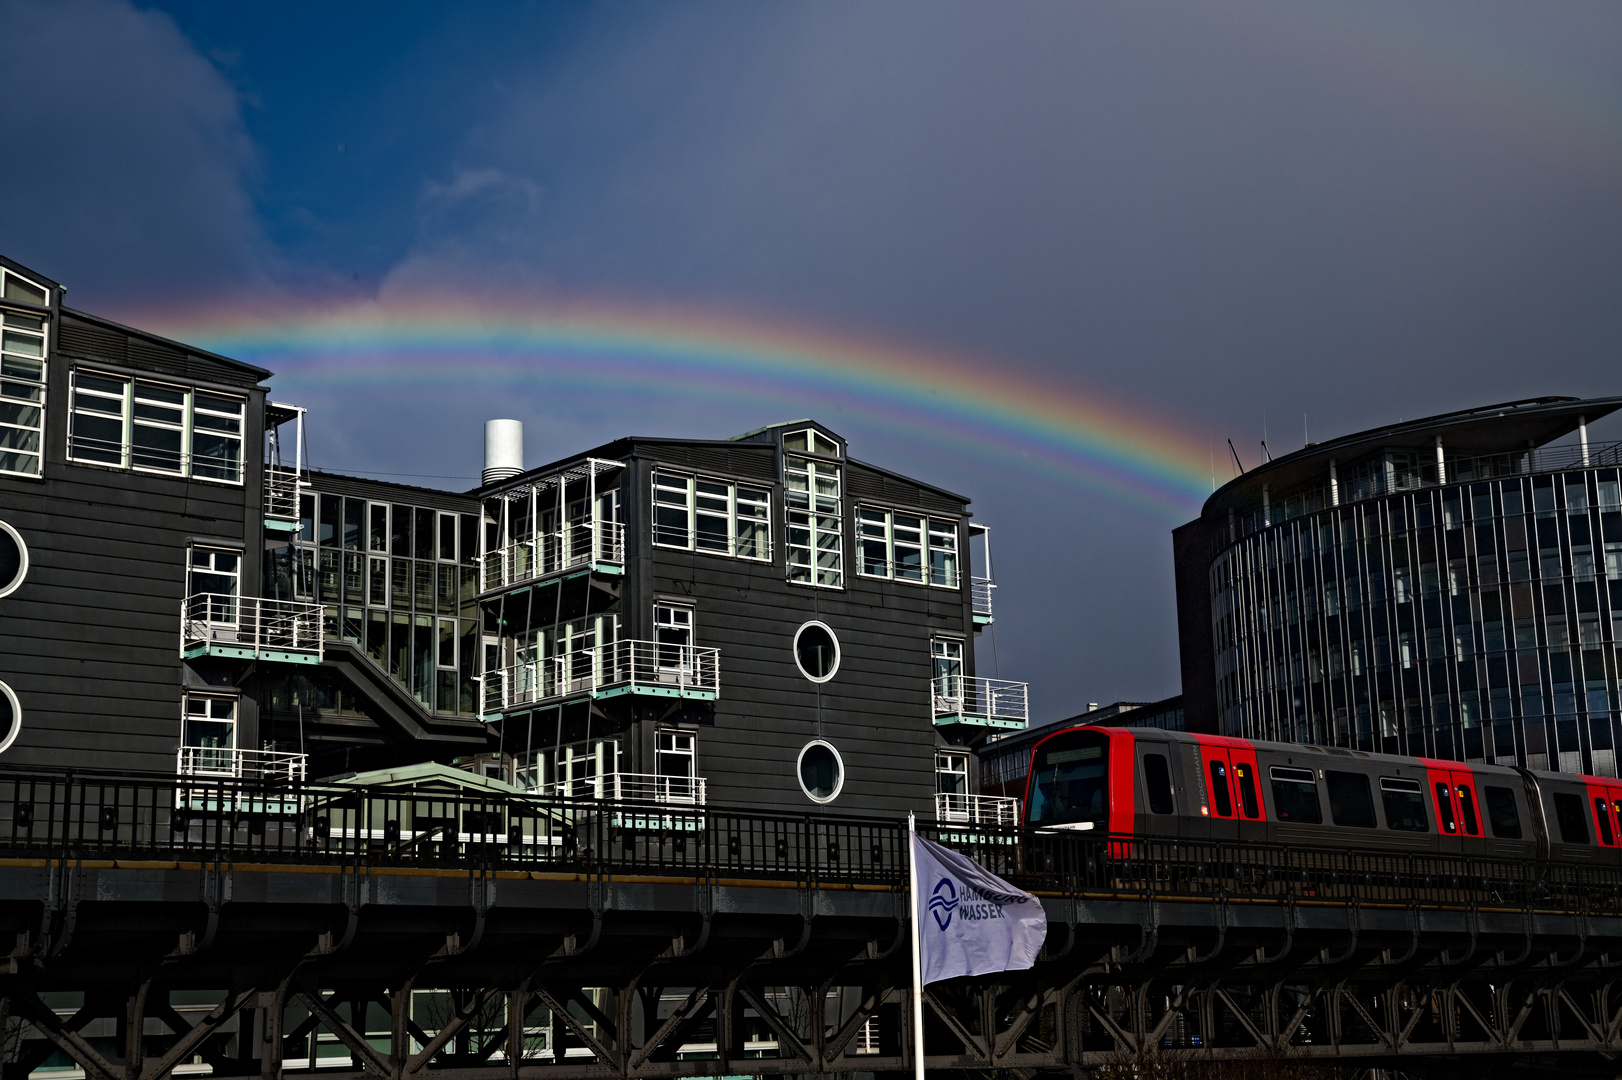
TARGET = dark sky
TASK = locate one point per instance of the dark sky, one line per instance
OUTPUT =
(1224, 218)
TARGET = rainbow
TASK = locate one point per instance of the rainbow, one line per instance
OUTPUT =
(773, 369)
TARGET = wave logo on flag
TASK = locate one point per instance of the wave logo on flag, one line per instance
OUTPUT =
(982, 923)
(942, 906)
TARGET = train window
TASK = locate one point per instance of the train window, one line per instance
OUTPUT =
(1467, 810)
(1295, 796)
(1404, 804)
(1157, 778)
(1502, 815)
(1568, 811)
(1602, 818)
(1219, 790)
(1350, 803)
(1444, 808)
(1248, 802)
(1070, 780)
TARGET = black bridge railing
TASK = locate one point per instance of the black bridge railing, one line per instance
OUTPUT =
(88, 816)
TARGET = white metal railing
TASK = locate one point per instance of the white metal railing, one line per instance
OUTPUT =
(250, 622)
(981, 699)
(980, 595)
(550, 553)
(631, 787)
(283, 486)
(538, 680)
(239, 764)
(976, 809)
(942, 577)
(682, 669)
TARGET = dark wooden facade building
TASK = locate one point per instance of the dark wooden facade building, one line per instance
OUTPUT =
(760, 620)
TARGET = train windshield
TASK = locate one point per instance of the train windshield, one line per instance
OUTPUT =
(1070, 780)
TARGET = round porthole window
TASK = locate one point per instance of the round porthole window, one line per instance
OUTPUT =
(13, 559)
(822, 771)
(11, 717)
(816, 651)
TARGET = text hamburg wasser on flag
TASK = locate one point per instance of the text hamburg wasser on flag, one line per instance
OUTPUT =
(971, 922)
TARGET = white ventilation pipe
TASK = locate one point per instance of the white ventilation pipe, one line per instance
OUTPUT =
(503, 449)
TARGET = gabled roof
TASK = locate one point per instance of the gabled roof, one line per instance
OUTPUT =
(257, 372)
(629, 445)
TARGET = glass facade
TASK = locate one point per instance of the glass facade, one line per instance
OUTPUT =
(1476, 622)
(399, 582)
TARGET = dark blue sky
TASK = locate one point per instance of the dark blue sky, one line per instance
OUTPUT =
(1227, 216)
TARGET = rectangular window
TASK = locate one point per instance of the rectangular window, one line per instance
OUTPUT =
(155, 427)
(672, 510)
(873, 540)
(1350, 803)
(943, 553)
(673, 638)
(209, 733)
(1568, 812)
(96, 426)
(1502, 813)
(158, 428)
(1295, 796)
(712, 517)
(952, 774)
(22, 383)
(894, 545)
(947, 659)
(211, 585)
(1404, 804)
(675, 766)
(815, 512)
(1157, 781)
(715, 517)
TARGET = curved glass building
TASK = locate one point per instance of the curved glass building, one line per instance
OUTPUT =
(1448, 587)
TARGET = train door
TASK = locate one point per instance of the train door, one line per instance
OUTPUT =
(1450, 819)
(1467, 805)
(1222, 802)
(1250, 807)
(1606, 837)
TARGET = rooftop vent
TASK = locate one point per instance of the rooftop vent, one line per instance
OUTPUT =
(503, 449)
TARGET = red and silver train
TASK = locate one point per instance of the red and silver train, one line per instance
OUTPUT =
(1148, 782)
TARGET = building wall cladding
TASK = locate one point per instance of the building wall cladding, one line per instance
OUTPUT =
(1474, 621)
(876, 710)
(90, 641)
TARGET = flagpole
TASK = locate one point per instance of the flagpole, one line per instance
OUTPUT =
(917, 953)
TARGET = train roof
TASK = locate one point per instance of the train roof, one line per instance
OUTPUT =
(1327, 753)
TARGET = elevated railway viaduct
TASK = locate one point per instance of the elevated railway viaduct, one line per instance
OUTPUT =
(164, 926)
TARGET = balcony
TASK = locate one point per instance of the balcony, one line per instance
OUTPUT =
(976, 809)
(991, 703)
(599, 546)
(283, 486)
(980, 599)
(239, 764)
(250, 628)
(631, 787)
(645, 668)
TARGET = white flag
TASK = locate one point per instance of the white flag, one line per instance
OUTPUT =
(971, 922)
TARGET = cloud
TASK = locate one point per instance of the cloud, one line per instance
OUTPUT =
(1214, 208)
(127, 167)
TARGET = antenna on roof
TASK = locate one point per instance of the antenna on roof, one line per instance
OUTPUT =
(1266, 451)
(1237, 463)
